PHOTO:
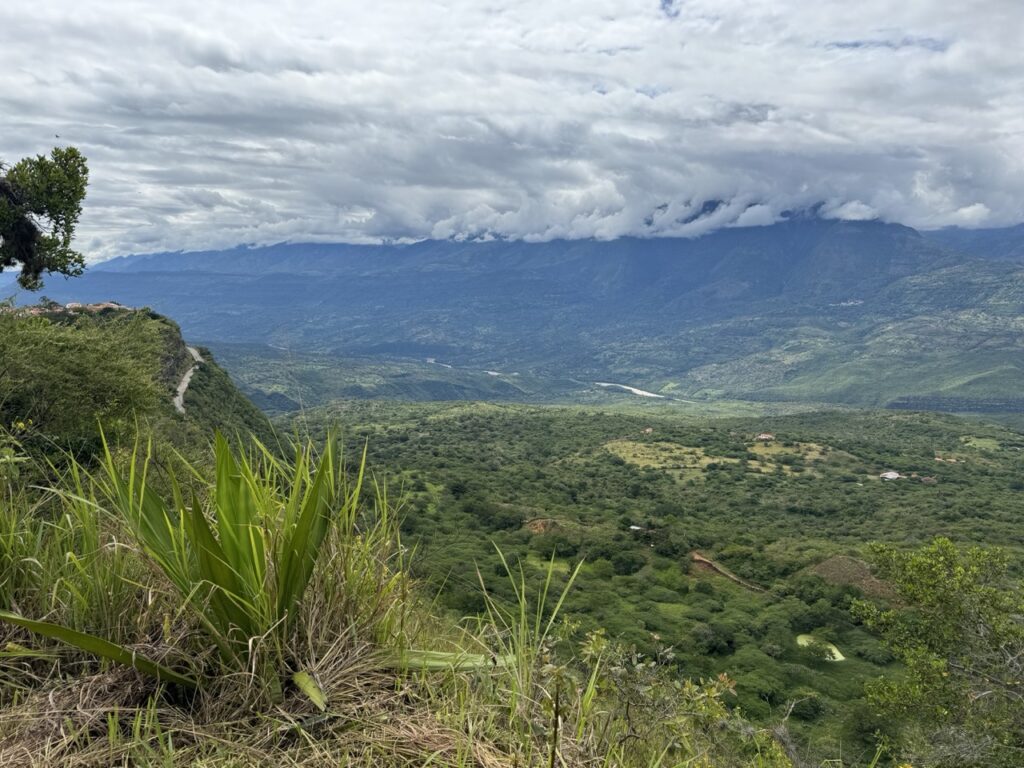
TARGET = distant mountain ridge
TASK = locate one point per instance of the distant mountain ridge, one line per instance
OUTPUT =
(1004, 243)
(786, 249)
(860, 312)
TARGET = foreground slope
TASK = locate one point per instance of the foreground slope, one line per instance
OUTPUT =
(67, 371)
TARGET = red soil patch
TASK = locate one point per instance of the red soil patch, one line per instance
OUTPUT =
(541, 525)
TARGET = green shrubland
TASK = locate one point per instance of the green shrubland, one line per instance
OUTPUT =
(628, 507)
(264, 613)
(471, 585)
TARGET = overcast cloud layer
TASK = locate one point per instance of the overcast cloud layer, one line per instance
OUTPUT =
(208, 124)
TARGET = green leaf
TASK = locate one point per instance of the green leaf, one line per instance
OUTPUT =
(16, 651)
(305, 683)
(238, 518)
(436, 661)
(226, 597)
(100, 647)
(302, 546)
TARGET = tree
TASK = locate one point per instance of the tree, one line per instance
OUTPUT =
(959, 631)
(40, 203)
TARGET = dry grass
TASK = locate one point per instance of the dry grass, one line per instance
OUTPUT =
(682, 462)
(771, 454)
(844, 570)
(43, 726)
(117, 717)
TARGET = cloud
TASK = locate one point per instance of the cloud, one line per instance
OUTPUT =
(852, 210)
(756, 216)
(670, 8)
(208, 124)
(972, 215)
(929, 43)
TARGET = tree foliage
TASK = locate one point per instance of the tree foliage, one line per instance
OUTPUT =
(40, 204)
(961, 638)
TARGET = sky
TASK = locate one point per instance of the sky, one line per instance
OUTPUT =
(209, 124)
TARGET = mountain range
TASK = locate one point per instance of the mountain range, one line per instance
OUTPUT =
(860, 313)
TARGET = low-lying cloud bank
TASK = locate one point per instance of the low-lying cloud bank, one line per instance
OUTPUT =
(209, 124)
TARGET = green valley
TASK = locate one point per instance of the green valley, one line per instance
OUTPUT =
(807, 310)
(684, 543)
(647, 503)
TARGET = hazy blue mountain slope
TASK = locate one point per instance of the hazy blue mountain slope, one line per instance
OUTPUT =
(1002, 243)
(808, 309)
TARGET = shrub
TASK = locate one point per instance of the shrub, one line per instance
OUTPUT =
(627, 562)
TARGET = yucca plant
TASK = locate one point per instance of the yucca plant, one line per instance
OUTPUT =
(240, 561)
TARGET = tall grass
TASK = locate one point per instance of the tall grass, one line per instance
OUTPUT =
(59, 559)
(523, 633)
(237, 554)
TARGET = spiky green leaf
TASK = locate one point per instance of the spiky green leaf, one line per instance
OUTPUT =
(100, 647)
(306, 683)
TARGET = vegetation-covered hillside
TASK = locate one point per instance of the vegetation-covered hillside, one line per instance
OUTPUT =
(729, 540)
(68, 372)
(612, 589)
(856, 313)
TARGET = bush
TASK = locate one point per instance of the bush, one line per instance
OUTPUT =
(558, 543)
(627, 562)
(808, 706)
(711, 638)
(241, 564)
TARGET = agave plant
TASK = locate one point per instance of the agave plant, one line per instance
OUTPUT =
(241, 561)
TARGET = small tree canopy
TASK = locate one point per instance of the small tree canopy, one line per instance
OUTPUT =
(959, 631)
(40, 202)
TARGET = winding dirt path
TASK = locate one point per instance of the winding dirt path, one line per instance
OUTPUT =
(697, 557)
(179, 397)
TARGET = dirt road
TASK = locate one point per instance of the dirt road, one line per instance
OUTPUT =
(179, 397)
